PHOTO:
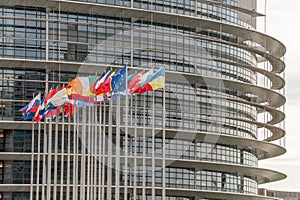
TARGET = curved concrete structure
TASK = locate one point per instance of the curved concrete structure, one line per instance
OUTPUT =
(198, 139)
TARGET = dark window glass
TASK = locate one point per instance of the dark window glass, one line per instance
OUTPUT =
(1, 175)
(2, 140)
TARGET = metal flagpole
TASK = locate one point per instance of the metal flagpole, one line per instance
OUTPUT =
(32, 160)
(109, 163)
(100, 153)
(76, 169)
(62, 155)
(94, 152)
(68, 155)
(144, 149)
(38, 162)
(153, 146)
(135, 151)
(164, 144)
(93, 140)
(126, 136)
(75, 152)
(88, 148)
(117, 174)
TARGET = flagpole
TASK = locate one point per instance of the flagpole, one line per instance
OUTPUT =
(38, 162)
(32, 160)
(117, 175)
(89, 149)
(144, 149)
(96, 147)
(92, 155)
(93, 141)
(62, 154)
(83, 154)
(100, 152)
(68, 152)
(78, 129)
(126, 137)
(75, 152)
(135, 151)
(131, 110)
(153, 146)
(164, 143)
(109, 164)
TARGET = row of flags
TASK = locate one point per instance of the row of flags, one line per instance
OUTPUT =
(91, 90)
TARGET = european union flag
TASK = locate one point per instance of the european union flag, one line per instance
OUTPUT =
(118, 82)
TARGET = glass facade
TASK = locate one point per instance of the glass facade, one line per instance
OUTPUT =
(199, 138)
(285, 195)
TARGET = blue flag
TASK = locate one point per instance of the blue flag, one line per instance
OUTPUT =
(118, 82)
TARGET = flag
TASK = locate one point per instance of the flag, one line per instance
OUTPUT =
(30, 109)
(53, 113)
(28, 116)
(58, 99)
(134, 80)
(140, 85)
(118, 82)
(23, 109)
(156, 81)
(106, 86)
(81, 85)
(68, 110)
(39, 113)
(86, 99)
(48, 96)
(95, 88)
(100, 98)
(131, 76)
(34, 103)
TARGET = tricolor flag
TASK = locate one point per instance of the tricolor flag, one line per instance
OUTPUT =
(30, 109)
(81, 85)
(39, 113)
